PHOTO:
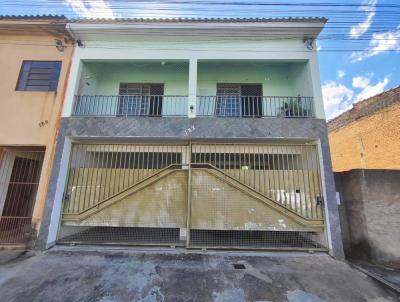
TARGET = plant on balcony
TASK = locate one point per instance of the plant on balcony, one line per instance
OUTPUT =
(294, 108)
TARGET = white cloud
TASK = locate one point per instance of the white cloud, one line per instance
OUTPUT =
(337, 97)
(379, 43)
(358, 30)
(371, 90)
(361, 82)
(340, 73)
(91, 8)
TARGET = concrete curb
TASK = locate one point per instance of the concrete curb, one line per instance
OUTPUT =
(376, 277)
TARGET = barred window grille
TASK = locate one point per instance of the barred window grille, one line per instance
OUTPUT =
(140, 99)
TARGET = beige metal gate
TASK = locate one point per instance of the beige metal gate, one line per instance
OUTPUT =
(198, 195)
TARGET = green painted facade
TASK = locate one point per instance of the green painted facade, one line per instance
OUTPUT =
(278, 79)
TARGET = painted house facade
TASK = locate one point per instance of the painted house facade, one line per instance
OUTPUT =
(203, 133)
(35, 59)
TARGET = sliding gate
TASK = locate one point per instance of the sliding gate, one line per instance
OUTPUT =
(200, 195)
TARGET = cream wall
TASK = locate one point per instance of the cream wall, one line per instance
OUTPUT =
(22, 111)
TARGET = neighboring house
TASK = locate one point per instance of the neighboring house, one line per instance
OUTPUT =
(34, 65)
(365, 150)
(368, 135)
(204, 133)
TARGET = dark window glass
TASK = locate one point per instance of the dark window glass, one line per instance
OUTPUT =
(39, 76)
(239, 100)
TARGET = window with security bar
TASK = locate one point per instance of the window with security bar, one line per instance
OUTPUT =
(140, 99)
(239, 100)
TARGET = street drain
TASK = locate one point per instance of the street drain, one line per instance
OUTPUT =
(239, 266)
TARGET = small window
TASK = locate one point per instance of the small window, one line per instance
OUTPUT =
(39, 76)
(140, 99)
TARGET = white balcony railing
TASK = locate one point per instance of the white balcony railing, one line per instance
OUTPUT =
(206, 106)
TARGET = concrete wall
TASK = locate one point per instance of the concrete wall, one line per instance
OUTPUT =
(371, 213)
(30, 118)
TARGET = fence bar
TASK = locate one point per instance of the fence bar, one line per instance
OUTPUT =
(286, 173)
(255, 106)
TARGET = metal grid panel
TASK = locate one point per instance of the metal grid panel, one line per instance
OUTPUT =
(226, 214)
(120, 235)
(98, 172)
(20, 170)
(287, 174)
(279, 240)
(125, 193)
(236, 196)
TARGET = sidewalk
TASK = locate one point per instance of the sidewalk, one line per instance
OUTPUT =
(102, 274)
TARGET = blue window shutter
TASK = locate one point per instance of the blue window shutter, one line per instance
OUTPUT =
(23, 77)
(39, 76)
(55, 76)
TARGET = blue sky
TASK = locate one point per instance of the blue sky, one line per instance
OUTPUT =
(358, 50)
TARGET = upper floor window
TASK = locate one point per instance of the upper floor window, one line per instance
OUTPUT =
(239, 100)
(39, 76)
(140, 99)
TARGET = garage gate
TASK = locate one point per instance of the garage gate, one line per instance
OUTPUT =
(234, 196)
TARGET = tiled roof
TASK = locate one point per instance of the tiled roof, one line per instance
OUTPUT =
(199, 20)
(163, 20)
(365, 108)
(32, 17)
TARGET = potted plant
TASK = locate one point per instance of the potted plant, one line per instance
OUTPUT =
(293, 107)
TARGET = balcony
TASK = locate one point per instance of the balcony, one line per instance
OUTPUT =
(206, 106)
(194, 89)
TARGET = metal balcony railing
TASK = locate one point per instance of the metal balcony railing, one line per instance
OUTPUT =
(207, 106)
(255, 106)
(129, 105)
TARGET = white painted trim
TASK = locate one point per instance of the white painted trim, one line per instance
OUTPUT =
(58, 197)
(72, 87)
(316, 87)
(192, 100)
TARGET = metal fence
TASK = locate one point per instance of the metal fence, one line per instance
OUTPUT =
(287, 174)
(197, 195)
(20, 170)
(218, 106)
(255, 106)
(129, 105)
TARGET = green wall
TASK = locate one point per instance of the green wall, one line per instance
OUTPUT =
(278, 79)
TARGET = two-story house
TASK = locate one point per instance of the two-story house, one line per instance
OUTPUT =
(34, 60)
(202, 133)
